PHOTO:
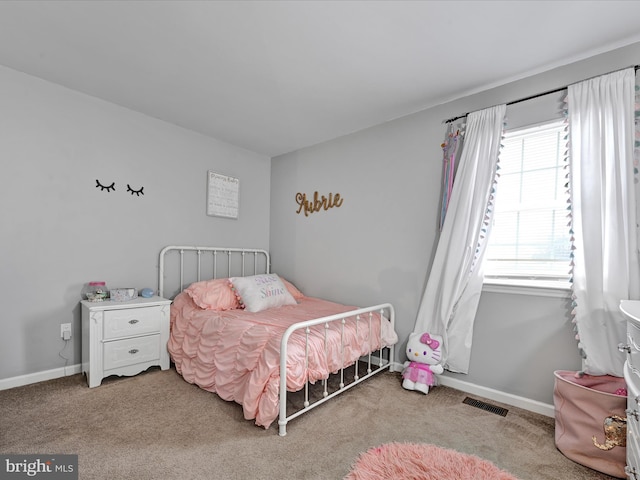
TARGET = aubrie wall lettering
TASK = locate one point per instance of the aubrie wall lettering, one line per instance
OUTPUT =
(317, 203)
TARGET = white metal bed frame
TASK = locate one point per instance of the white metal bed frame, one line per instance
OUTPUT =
(261, 264)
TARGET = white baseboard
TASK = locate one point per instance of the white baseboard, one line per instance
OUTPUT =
(30, 378)
(485, 392)
(498, 396)
(491, 394)
(396, 367)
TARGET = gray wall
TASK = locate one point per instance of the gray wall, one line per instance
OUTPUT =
(60, 231)
(379, 245)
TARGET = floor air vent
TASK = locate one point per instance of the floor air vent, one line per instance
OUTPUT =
(486, 406)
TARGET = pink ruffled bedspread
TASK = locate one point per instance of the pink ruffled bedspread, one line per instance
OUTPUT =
(236, 354)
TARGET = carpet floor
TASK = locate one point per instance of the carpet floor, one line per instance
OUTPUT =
(157, 426)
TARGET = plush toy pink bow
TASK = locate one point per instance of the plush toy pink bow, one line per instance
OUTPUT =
(427, 340)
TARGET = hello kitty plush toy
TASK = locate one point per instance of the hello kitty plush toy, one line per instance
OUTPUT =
(424, 352)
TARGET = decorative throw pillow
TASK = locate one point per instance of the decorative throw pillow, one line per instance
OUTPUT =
(213, 294)
(259, 292)
(295, 293)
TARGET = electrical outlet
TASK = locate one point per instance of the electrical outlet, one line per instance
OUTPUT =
(65, 331)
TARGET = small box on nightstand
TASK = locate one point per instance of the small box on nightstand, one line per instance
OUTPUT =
(123, 294)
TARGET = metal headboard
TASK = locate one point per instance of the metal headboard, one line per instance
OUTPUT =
(189, 262)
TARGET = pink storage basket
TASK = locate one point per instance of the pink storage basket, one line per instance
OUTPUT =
(590, 420)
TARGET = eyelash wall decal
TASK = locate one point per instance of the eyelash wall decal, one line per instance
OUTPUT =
(108, 188)
(137, 192)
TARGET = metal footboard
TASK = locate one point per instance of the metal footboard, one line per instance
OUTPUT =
(361, 315)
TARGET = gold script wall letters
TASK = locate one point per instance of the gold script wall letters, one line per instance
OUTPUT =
(315, 205)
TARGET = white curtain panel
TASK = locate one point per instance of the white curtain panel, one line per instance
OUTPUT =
(606, 269)
(451, 297)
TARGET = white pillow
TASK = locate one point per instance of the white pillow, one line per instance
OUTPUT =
(259, 292)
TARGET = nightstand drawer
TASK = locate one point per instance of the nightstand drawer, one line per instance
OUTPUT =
(131, 321)
(121, 353)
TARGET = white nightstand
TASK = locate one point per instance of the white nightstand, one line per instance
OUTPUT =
(124, 338)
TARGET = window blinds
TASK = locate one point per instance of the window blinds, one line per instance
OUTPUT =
(530, 238)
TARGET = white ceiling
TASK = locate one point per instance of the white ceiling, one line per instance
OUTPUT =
(275, 76)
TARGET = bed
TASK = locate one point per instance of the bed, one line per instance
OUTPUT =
(238, 329)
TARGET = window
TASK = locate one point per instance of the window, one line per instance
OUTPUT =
(530, 239)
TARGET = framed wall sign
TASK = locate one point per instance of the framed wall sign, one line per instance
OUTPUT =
(222, 195)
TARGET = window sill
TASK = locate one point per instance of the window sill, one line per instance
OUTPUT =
(528, 287)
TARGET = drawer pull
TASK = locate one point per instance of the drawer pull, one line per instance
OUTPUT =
(624, 348)
(134, 321)
(133, 351)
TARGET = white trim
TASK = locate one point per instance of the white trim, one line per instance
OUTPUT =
(525, 130)
(495, 286)
(485, 392)
(30, 378)
(396, 367)
(498, 396)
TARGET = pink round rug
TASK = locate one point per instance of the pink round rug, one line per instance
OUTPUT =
(403, 461)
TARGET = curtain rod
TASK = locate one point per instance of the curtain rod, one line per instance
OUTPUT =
(542, 94)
